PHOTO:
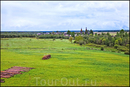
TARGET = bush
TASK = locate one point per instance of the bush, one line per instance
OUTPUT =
(110, 44)
(77, 42)
(122, 49)
(91, 44)
(85, 40)
(98, 46)
(119, 52)
(102, 48)
(74, 41)
(84, 43)
(53, 39)
(127, 45)
(116, 46)
(61, 39)
(113, 51)
(81, 42)
(70, 39)
(66, 37)
(78, 38)
(127, 52)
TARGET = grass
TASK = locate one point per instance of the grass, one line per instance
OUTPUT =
(68, 63)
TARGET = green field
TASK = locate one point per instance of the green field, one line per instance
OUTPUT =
(70, 64)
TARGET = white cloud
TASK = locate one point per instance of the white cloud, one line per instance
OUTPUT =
(63, 15)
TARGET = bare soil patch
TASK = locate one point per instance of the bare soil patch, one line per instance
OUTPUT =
(13, 71)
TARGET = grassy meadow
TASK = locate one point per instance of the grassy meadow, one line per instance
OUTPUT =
(70, 64)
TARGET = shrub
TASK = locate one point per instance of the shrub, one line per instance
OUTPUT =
(84, 43)
(113, 51)
(116, 46)
(102, 48)
(85, 40)
(70, 39)
(81, 42)
(122, 49)
(98, 46)
(78, 38)
(77, 42)
(66, 37)
(110, 44)
(118, 51)
(127, 52)
(61, 39)
(127, 45)
(53, 39)
(74, 41)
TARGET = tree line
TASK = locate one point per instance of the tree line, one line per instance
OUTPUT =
(120, 41)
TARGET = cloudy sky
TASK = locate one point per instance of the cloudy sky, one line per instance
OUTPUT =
(64, 15)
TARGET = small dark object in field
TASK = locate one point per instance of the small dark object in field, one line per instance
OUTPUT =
(92, 48)
(46, 57)
(2, 80)
(74, 41)
(62, 49)
(102, 48)
(12, 71)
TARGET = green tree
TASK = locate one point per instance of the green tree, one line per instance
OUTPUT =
(68, 32)
(70, 39)
(122, 31)
(117, 33)
(53, 32)
(95, 34)
(126, 35)
(116, 42)
(120, 41)
(107, 42)
(103, 41)
(91, 31)
(77, 38)
(86, 31)
(81, 42)
(108, 33)
(72, 34)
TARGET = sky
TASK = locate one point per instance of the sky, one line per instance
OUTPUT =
(64, 15)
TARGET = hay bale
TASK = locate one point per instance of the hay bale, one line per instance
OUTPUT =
(46, 57)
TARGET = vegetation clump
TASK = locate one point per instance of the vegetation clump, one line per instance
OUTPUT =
(102, 48)
(74, 41)
(127, 52)
(116, 46)
(70, 39)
